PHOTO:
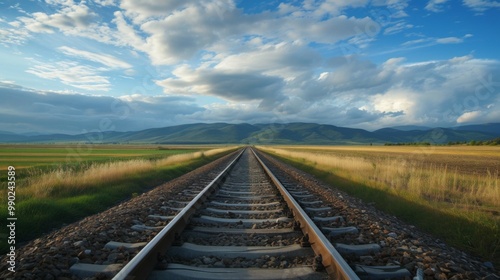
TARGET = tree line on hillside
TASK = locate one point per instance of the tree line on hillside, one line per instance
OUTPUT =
(492, 142)
(408, 144)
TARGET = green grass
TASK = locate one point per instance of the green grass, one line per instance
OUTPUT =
(40, 214)
(476, 233)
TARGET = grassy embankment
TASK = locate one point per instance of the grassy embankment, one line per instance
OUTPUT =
(51, 195)
(451, 192)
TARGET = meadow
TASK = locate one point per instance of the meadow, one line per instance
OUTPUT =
(60, 184)
(451, 192)
(25, 156)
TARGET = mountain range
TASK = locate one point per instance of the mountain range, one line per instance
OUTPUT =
(289, 133)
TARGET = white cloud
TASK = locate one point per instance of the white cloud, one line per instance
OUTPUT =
(142, 10)
(481, 5)
(435, 5)
(60, 2)
(190, 30)
(336, 7)
(69, 19)
(416, 41)
(331, 30)
(12, 34)
(418, 93)
(104, 59)
(354, 92)
(105, 2)
(73, 74)
(396, 100)
(397, 27)
(126, 35)
(284, 60)
(172, 32)
(431, 41)
(178, 31)
(469, 117)
(449, 40)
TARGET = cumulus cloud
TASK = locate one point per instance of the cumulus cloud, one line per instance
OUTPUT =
(283, 59)
(182, 34)
(177, 31)
(434, 93)
(171, 32)
(284, 64)
(396, 100)
(229, 85)
(357, 92)
(141, 10)
(333, 6)
(127, 35)
(355, 74)
(439, 92)
(69, 19)
(468, 117)
(327, 31)
(431, 93)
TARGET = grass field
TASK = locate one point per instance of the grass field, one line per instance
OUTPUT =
(54, 187)
(32, 161)
(452, 192)
(24, 156)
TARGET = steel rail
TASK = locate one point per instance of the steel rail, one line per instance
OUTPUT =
(145, 261)
(335, 265)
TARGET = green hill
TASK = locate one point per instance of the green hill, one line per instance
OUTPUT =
(290, 133)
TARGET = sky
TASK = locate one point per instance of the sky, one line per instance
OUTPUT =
(125, 65)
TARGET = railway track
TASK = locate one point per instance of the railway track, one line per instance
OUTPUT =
(233, 219)
(242, 224)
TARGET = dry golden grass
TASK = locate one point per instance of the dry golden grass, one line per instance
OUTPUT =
(452, 192)
(465, 159)
(410, 172)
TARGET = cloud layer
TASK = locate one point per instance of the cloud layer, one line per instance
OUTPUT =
(356, 63)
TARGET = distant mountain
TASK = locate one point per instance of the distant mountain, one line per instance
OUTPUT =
(489, 128)
(8, 137)
(5, 132)
(411, 127)
(290, 133)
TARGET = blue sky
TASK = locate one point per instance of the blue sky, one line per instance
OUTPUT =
(76, 66)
